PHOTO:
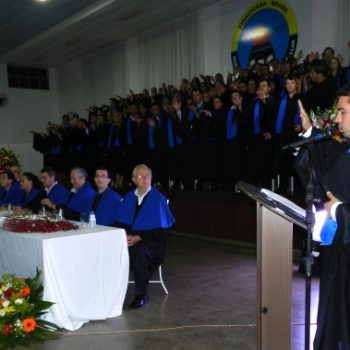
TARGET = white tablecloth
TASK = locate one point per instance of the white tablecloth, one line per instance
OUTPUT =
(85, 272)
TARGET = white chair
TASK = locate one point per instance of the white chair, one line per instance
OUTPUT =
(160, 280)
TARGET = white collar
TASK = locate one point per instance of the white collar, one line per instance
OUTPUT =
(48, 189)
(141, 197)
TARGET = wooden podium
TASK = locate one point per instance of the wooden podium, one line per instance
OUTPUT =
(275, 218)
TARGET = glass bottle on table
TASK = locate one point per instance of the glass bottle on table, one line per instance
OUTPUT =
(92, 220)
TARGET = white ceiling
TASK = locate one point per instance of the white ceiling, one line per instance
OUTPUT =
(52, 33)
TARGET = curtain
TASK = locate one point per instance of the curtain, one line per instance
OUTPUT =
(342, 31)
(104, 76)
(170, 53)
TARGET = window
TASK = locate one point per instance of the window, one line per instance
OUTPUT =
(28, 78)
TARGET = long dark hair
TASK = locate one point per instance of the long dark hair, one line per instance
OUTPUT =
(33, 178)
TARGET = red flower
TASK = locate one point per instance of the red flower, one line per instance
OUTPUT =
(8, 293)
(7, 329)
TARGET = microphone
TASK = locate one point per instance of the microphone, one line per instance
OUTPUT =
(325, 135)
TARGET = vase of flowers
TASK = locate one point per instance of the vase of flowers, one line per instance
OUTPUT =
(8, 158)
(21, 311)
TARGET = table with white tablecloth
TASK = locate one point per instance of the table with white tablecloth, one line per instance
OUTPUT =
(84, 272)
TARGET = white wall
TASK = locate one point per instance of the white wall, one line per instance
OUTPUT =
(71, 97)
(26, 110)
(210, 25)
(323, 24)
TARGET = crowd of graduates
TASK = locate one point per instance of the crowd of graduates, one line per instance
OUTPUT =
(205, 134)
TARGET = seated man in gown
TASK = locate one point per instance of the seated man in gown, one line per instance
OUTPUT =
(13, 193)
(81, 196)
(146, 217)
(56, 193)
(106, 201)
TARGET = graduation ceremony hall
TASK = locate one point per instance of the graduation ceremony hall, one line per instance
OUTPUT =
(173, 174)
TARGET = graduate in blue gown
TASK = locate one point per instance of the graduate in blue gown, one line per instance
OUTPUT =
(146, 217)
(56, 193)
(81, 196)
(12, 191)
(106, 201)
(33, 194)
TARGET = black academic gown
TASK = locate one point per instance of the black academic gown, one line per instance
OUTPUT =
(331, 162)
(151, 221)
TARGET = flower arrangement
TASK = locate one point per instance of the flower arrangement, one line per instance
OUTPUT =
(324, 120)
(21, 309)
(8, 158)
(26, 225)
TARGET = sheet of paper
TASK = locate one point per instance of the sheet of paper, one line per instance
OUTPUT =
(291, 205)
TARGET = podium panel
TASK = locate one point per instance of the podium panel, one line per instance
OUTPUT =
(275, 218)
(274, 280)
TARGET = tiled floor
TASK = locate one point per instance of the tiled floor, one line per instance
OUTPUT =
(211, 304)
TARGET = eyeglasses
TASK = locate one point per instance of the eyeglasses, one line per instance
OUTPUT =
(143, 177)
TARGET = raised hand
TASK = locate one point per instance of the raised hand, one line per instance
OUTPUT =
(305, 120)
(331, 200)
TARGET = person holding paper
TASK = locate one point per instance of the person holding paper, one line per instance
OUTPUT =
(331, 163)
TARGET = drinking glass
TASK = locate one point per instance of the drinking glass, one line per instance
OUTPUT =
(84, 220)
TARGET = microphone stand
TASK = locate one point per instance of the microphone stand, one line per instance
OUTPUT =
(308, 259)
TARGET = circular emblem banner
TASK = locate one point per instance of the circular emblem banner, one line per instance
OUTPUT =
(266, 31)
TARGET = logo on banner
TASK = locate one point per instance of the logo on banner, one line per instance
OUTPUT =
(266, 31)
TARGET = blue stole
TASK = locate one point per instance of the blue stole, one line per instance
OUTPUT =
(190, 115)
(116, 142)
(151, 143)
(13, 196)
(81, 201)
(107, 208)
(348, 74)
(281, 115)
(56, 150)
(58, 194)
(171, 140)
(30, 196)
(257, 117)
(110, 133)
(328, 231)
(297, 119)
(128, 131)
(231, 127)
(170, 128)
(154, 213)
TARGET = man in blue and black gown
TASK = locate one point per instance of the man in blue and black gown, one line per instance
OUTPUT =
(146, 217)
